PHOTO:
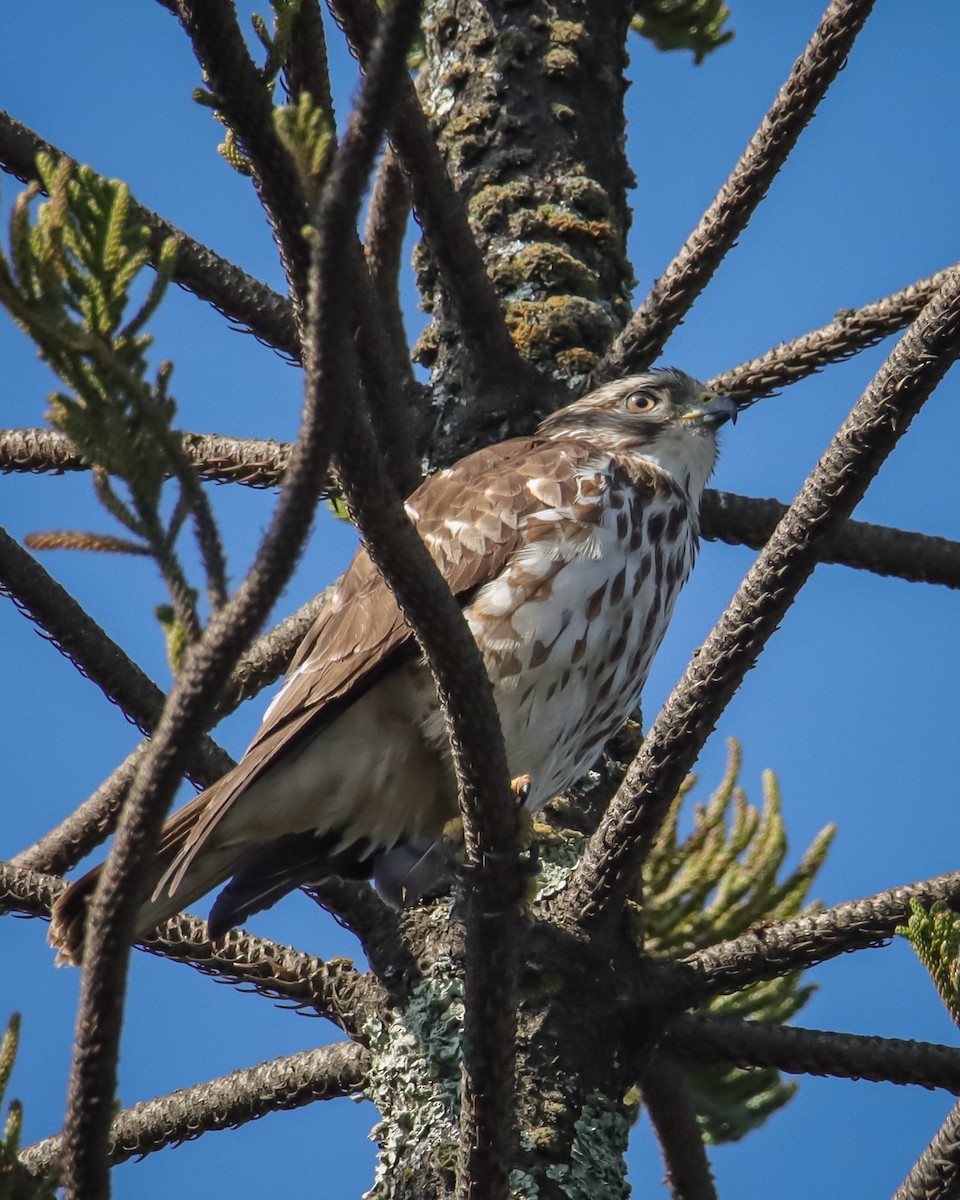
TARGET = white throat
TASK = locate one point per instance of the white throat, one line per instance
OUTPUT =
(688, 457)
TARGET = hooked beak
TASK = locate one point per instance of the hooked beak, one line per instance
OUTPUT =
(714, 410)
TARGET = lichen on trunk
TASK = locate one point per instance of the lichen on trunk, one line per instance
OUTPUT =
(526, 103)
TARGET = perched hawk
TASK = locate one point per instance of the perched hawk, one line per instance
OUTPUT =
(567, 550)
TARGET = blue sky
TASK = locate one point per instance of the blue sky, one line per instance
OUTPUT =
(853, 704)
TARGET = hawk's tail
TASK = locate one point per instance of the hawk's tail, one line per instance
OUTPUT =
(69, 920)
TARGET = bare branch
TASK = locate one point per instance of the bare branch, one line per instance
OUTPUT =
(848, 334)
(772, 950)
(379, 335)
(28, 892)
(242, 98)
(326, 1073)
(335, 990)
(251, 461)
(917, 557)
(667, 1100)
(96, 656)
(916, 365)
(476, 742)
(208, 662)
(240, 297)
(439, 209)
(387, 377)
(490, 819)
(383, 237)
(672, 295)
(725, 516)
(935, 1174)
(814, 1052)
(308, 70)
(90, 824)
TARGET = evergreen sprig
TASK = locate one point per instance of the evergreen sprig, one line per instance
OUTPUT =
(71, 279)
(15, 1182)
(306, 130)
(714, 884)
(308, 135)
(934, 934)
(695, 25)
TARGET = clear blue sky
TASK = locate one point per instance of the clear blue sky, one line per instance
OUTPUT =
(854, 703)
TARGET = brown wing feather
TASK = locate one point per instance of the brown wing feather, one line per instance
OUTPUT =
(469, 517)
(354, 637)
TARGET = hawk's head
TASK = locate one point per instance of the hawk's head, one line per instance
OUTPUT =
(664, 416)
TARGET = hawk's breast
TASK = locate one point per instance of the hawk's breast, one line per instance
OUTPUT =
(569, 627)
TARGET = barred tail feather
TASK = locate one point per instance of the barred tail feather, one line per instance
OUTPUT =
(68, 926)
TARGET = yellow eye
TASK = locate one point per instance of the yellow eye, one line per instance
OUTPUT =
(640, 402)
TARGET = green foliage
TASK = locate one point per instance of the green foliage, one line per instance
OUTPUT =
(695, 25)
(338, 506)
(15, 1182)
(717, 883)
(414, 1078)
(69, 282)
(304, 127)
(308, 135)
(934, 934)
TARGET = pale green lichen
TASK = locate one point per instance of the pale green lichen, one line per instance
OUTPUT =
(414, 1079)
(560, 325)
(566, 33)
(548, 266)
(522, 1186)
(560, 852)
(597, 1170)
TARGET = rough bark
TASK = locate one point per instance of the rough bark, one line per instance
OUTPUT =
(526, 103)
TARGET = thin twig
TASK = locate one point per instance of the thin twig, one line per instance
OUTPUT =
(878, 420)
(89, 825)
(232, 292)
(848, 334)
(326, 1073)
(672, 295)
(813, 1052)
(666, 1098)
(80, 639)
(383, 237)
(244, 102)
(772, 950)
(439, 209)
(936, 1173)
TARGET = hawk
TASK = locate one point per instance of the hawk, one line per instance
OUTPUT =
(567, 550)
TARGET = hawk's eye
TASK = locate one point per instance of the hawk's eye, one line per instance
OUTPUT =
(640, 402)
